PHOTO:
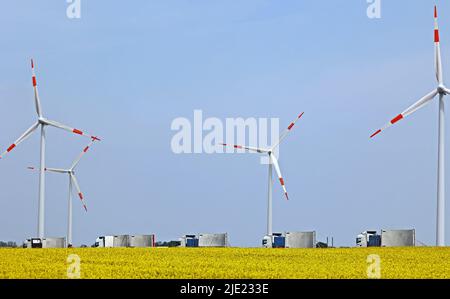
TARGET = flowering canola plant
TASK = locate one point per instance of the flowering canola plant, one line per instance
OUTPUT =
(413, 262)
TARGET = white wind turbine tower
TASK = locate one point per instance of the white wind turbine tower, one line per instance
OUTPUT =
(42, 122)
(442, 91)
(72, 182)
(273, 162)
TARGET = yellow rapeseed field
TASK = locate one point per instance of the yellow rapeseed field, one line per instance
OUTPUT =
(418, 262)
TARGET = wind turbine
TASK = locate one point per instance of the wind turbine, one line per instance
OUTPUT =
(442, 91)
(41, 122)
(72, 182)
(273, 162)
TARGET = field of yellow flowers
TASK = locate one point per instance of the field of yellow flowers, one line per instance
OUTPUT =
(418, 262)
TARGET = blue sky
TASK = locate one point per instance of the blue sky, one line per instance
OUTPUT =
(125, 71)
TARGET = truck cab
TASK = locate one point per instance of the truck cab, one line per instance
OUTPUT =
(368, 238)
(36, 243)
(276, 240)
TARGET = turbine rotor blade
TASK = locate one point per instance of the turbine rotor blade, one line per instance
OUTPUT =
(69, 129)
(23, 137)
(413, 108)
(249, 148)
(50, 169)
(77, 187)
(286, 132)
(77, 160)
(58, 170)
(437, 54)
(36, 93)
(274, 162)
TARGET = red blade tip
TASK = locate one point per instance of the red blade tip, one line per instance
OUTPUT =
(76, 131)
(376, 133)
(396, 119)
(11, 147)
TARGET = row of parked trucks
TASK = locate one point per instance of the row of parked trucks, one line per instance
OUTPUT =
(370, 238)
(103, 241)
(276, 240)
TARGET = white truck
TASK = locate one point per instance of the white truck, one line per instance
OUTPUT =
(104, 241)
